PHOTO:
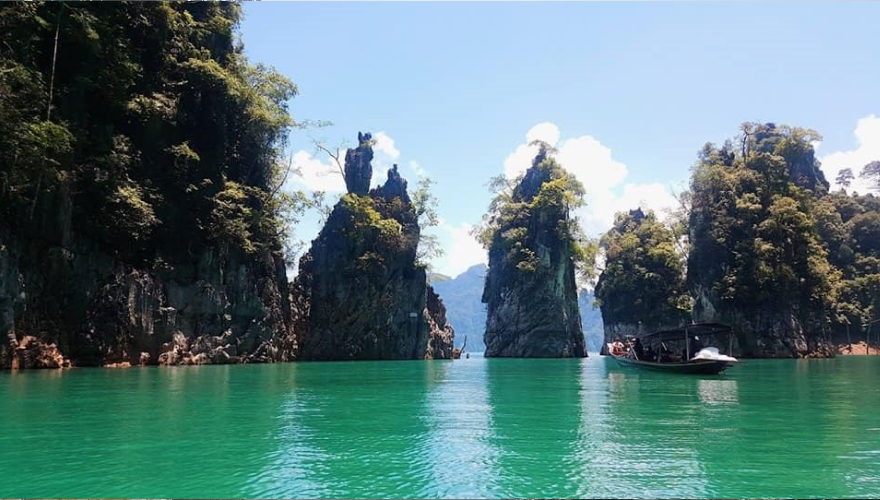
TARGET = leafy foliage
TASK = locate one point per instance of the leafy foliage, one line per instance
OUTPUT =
(153, 120)
(755, 241)
(545, 193)
(644, 276)
(425, 204)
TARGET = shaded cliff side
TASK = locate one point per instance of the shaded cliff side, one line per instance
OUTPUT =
(140, 221)
(363, 293)
(530, 290)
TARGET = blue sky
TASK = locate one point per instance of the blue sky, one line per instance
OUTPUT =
(631, 90)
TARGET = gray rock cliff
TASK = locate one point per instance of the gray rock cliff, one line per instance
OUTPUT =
(364, 294)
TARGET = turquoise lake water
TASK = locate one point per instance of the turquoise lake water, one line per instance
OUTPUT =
(468, 428)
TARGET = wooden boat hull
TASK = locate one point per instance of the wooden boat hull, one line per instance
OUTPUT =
(702, 367)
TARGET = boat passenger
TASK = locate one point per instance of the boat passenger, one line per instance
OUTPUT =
(617, 347)
(639, 349)
(650, 354)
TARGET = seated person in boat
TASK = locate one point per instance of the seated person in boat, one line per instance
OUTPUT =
(650, 354)
(639, 349)
(617, 347)
(666, 355)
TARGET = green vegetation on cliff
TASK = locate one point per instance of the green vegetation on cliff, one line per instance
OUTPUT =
(643, 280)
(849, 226)
(142, 219)
(152, 119)
(535, 245)
(769, 249)
(756, 257)
(546, 194)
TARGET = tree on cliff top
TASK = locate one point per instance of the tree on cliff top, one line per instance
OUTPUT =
(754, 242)
(546, 194)
(644, 278)
(153, 120)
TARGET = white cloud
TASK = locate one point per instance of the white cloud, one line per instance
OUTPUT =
(545, 131)
(598, 216)
(867, 134)
(591, 163)
(317, 175)
(521, 159)
(603, 177)
(384, 144)
(461, 249)
(417, 169)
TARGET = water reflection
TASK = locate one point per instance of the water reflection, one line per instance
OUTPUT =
(648, 425)
(357, 430)
(460, 451)
(717, 391)
(535, 408)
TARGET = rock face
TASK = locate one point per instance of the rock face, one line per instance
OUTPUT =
(358, 169)
(530, 289)
(766, 332)
(363, 294)
(64, 302)
(139, 216)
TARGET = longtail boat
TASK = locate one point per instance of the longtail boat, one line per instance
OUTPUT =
(708, 361)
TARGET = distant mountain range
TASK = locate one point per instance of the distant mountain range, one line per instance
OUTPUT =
(467, 314)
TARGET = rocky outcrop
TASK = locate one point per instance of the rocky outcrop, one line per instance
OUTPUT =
(363, 293)
(530, 288)
(756, 258)
(358, 169)
(641, 288)
(65, 302)
(767, 332)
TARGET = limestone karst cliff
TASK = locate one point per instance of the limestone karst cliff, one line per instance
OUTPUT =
(530, 290)
(642, 286)
(757, 261)
(139, 217)
(364, 294)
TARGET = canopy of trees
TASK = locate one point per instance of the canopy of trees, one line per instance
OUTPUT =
(150, 118)
(644, 279)
(753, 231)
(768, 244)
(546, 198)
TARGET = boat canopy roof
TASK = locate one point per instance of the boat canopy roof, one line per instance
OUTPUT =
(697, 329)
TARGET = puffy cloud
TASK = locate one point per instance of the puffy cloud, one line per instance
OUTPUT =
(384, 144)
(461, 249)
(545, 131)
(867, 134)
(317, 175)
(521, 159)
(598, 216)
(592, 163)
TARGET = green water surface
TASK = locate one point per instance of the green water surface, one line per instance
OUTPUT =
(468, 428)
